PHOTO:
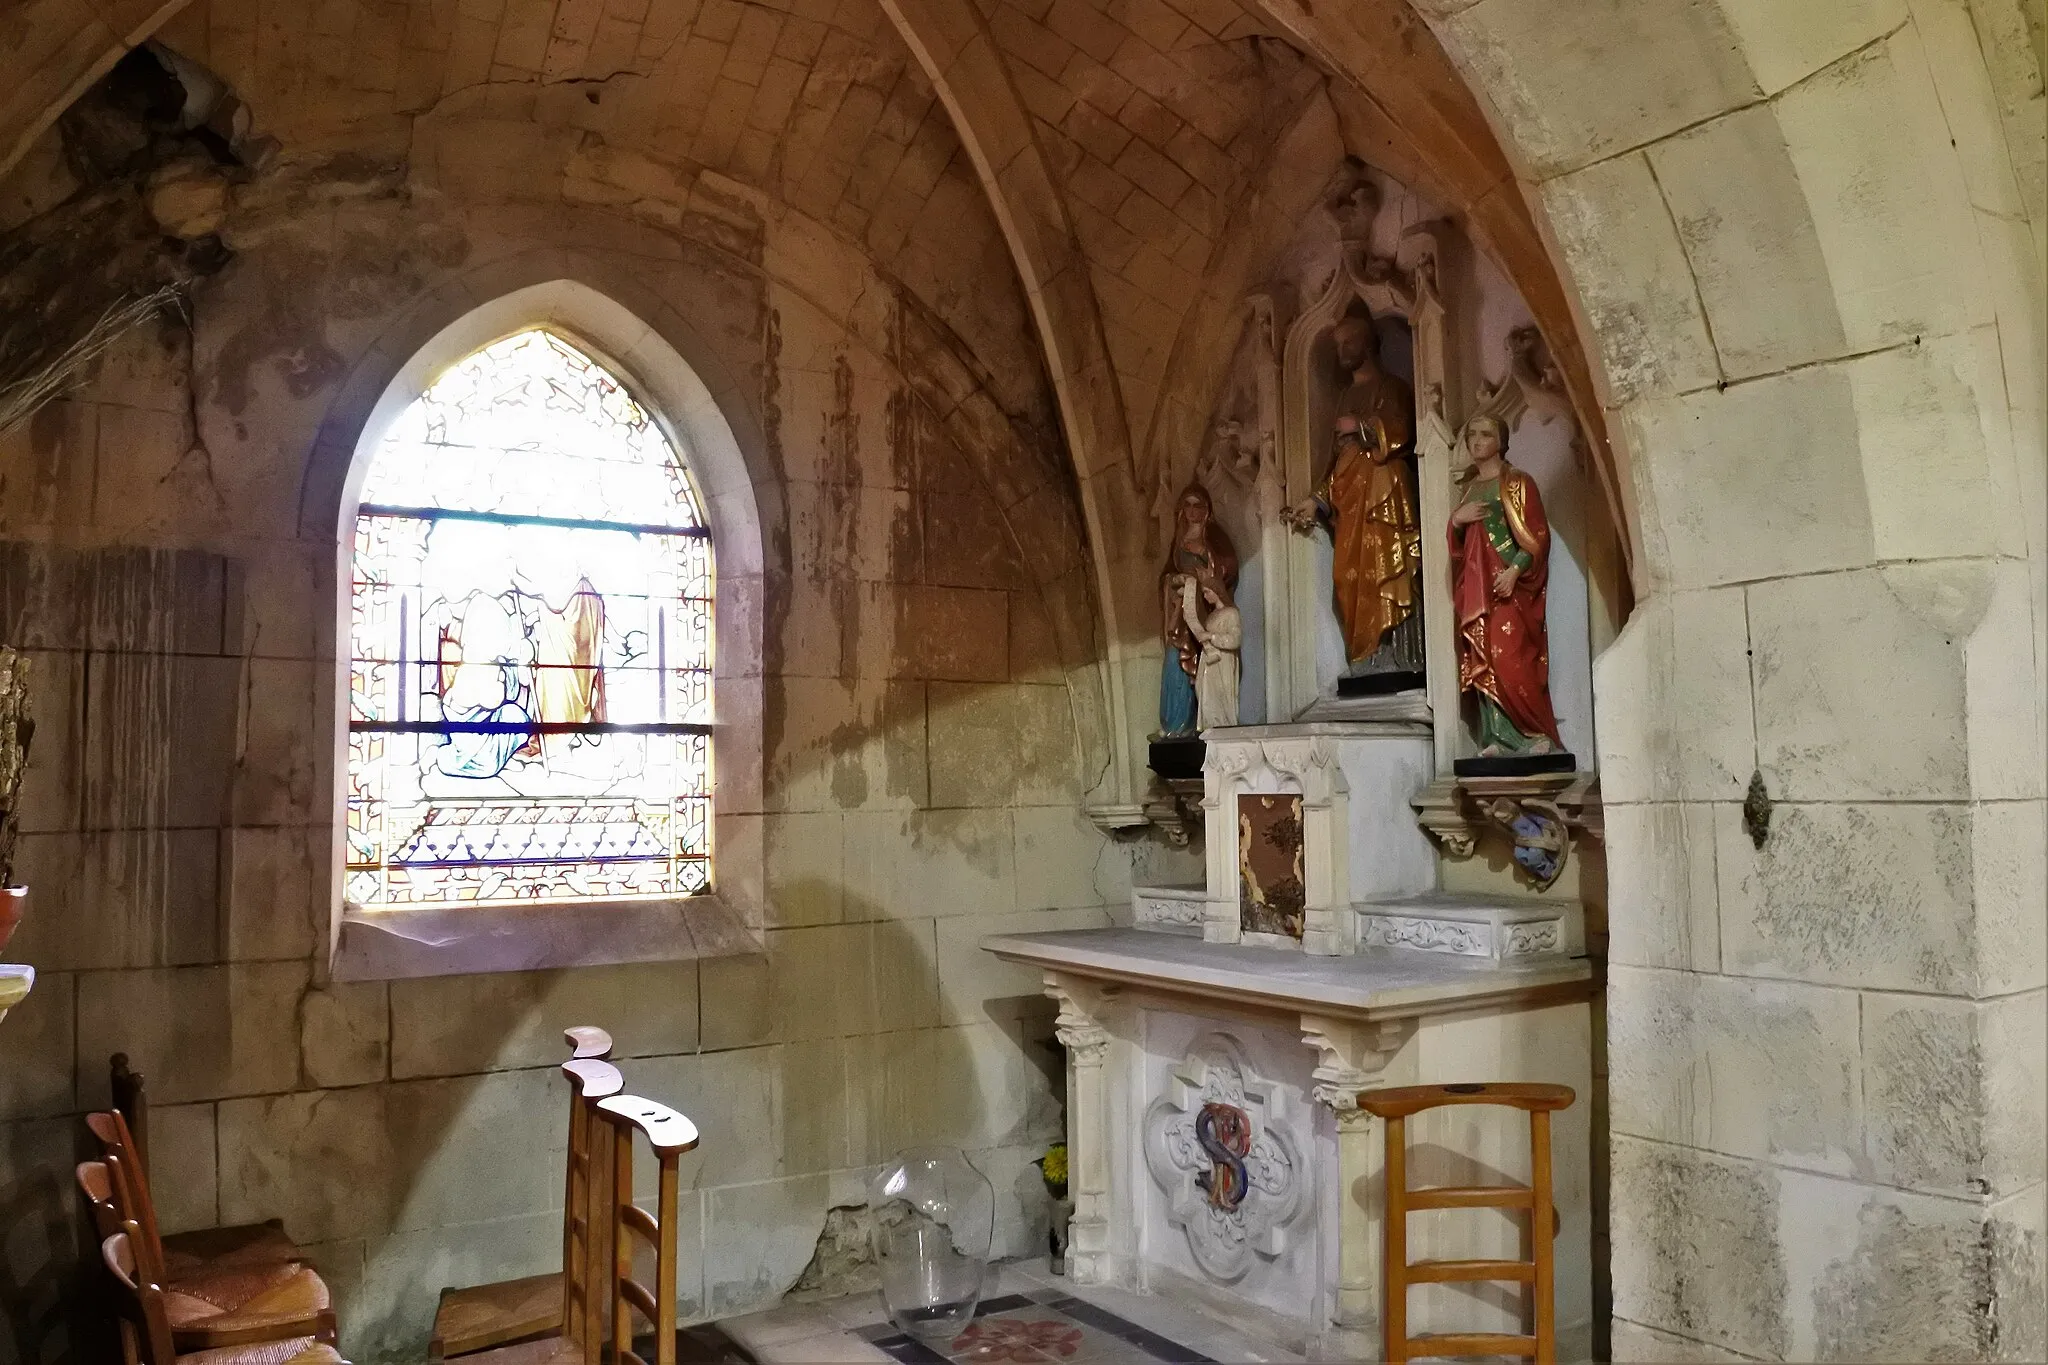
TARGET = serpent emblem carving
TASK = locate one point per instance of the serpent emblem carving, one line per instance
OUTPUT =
(1225, 1132)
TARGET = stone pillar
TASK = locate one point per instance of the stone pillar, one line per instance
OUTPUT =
(1352, 1057)
(1080, 1031)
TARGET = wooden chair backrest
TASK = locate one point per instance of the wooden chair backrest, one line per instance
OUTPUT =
(96, 1183)
(1396, 1106)
(132, 1104)
(130, 1187)
(586, 1203)
(671, 1135)
(587, 1041)
(145, 1326)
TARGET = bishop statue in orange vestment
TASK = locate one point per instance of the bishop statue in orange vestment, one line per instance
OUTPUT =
(1368, 496)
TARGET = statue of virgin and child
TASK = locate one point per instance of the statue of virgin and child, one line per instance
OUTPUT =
(1199, 621)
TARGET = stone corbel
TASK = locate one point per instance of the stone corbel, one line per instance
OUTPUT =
(1541, 815)
(1078, 1025)
(1349, 1057)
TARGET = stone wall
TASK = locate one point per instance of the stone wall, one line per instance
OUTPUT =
(170, 561)
(1806, 245)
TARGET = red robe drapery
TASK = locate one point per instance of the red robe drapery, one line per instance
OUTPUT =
(1503, 650)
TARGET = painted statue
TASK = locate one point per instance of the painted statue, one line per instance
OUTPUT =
(1500, 564)
(1368, 496)
(1212, 618)
(1201, 552)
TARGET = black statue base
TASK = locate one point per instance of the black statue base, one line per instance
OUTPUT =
(1381, 684)
(1178, 757)
(1515, 765)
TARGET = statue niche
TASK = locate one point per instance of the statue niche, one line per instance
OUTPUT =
(1366, 499)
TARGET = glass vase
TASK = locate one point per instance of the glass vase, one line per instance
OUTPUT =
(934, 1219)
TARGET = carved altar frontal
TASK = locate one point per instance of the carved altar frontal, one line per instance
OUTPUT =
(1228, 1141)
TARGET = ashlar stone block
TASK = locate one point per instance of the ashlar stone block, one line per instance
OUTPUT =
(976, 986)
(273, 892)
(1928, 467)
(1697, 1247)
(929, 862)
(1891, 208)
(196, 1033)
(1783, 43)
(1065, 862)
(1575, 85)
(999, 746)
(2008, 749)
(1673, 692)
(843, 745)
(1833, 727)
(1878, 896)
(37, 1079)
(345, 1038)
(451, 1025)
(184, 1166)
(736, 1099)
(1663, 903)
(757, 1239)
(1755, 255)
(1956, 1092)
(2009, 869)
(1883, 1274)
(805, 871)
(1760, 480)
(1749, 1068)
(324, 1161)
(128, 898)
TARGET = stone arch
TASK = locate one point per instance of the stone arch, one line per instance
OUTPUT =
(1801, 246)
(951, 42)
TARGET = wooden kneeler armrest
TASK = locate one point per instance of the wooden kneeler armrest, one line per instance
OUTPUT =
(541, 1307)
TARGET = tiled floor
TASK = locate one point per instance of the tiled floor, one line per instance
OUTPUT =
(1029, 1317)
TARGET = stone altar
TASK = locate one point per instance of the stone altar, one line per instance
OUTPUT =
(1217, 1151)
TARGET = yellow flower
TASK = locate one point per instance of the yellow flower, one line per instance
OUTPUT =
(1054, 1164)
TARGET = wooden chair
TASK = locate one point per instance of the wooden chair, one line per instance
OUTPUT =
(147, 1337)
(671, 1135)
(1395, 1106)
(560, 1303)
(218, 1307)
(185, 1253)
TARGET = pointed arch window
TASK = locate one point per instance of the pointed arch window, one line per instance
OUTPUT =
(530, 657)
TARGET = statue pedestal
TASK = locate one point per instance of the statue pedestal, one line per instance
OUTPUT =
(1358, 840)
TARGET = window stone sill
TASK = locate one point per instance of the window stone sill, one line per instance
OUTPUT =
(388, 945)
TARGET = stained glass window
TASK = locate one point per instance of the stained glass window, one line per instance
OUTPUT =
(530, 646)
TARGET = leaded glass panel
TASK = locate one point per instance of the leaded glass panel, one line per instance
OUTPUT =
(531, 650)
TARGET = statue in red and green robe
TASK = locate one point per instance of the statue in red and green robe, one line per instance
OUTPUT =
(1500, 565)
